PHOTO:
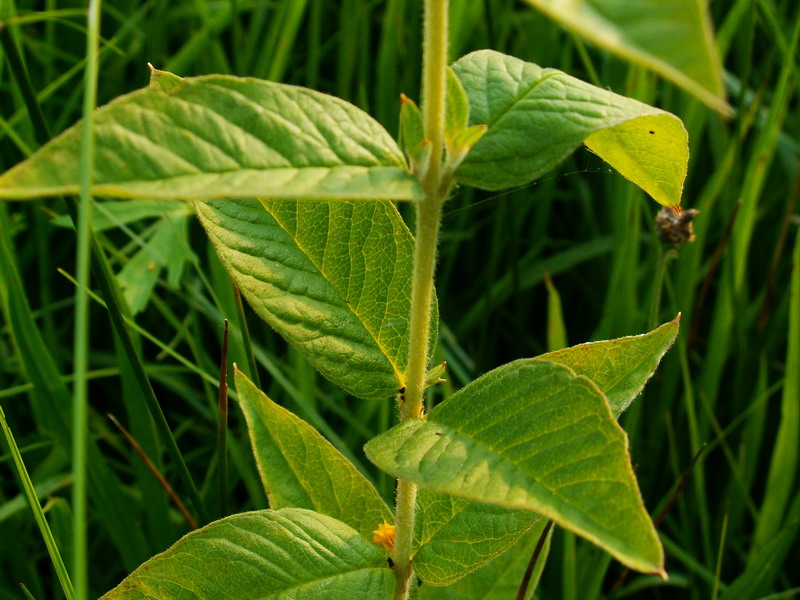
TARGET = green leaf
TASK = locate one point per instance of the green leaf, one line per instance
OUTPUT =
(672, 37)
(620, 367)
(537, 117)
(454, 536)
(333, 278)
(456, 106)
(434, 374)
(164, 80)
(501, 578)
(220, 136)
(301, 469)
(533, 435)
(411, 129)
(412, 137)
(168, 248)
(270, 554)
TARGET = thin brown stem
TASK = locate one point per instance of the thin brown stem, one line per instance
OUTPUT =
(156, 473)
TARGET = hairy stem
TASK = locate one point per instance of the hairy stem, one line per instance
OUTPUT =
(428, 217)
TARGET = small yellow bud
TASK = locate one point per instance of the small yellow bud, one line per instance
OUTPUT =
(384, 536)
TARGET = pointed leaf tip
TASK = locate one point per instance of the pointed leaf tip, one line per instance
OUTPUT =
(164, 80)
(531, 435)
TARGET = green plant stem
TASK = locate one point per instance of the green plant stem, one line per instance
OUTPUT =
(80, 408)
(429, 213)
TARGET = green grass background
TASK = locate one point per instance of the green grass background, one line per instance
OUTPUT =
(732, 382)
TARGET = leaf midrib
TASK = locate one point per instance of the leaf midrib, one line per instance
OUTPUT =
(400, 377)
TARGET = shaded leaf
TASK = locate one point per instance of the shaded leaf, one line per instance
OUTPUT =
(454, 536)
(532, 435)
(537, 117)
(220, 136)
(301, 469)
(271, 554)
(672, 37)
(500, 579)
(333, 278)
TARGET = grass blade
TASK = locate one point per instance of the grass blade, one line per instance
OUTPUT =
(38, 514)
(783, 466)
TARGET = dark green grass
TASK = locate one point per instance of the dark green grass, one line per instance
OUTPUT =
(727, 383)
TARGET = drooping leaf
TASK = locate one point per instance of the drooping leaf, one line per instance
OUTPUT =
(620, 367)
(333, 278)
(220, 136)
(301, 469)
(500, 579)
(271, 554)
(537, 117)
(672, 37)
(533, 435)
(454, 536)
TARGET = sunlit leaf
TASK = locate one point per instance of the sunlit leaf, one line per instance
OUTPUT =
(619, 367)
(301, 469)
(537, 117)
(220, 136)
(534, 435)
(272, 554)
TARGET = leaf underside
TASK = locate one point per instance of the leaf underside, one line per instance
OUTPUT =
(332, 277)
